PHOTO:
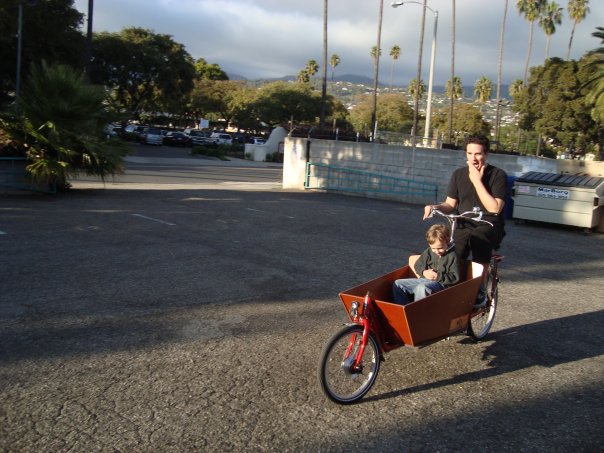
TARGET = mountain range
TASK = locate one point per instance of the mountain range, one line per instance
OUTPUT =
(368, 81)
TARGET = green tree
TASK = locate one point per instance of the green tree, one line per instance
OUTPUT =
(395, 53)
(334, 61)
(577, 11)
(531, 9)
(515, 88)
(61, 126)
(393, 114)
(455, 90)
(412, 89)
(554, 106)
(312, 67)
(549, 18)
(303, 76)
(278, 102)
(143, 70)
(50, 31)
(207, 71)
(217, 99)
(594, 70)
(467, 120)
(483, 88)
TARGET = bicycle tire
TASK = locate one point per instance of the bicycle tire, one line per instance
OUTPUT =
(481, 323)
(338, 382)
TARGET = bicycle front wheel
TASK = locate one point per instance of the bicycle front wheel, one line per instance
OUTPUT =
(481, 323)
(340, 380)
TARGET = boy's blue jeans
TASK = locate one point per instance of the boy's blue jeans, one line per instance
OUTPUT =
(407, 290)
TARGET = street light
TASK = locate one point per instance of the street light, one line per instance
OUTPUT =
(432, 57)
(19, 46)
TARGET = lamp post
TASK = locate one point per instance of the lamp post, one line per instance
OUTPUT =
(19, 47)
(432, 57)
(89, 38)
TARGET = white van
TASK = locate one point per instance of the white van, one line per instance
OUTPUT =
(220, 138)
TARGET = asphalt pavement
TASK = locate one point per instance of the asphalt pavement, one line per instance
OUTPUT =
(154, 313)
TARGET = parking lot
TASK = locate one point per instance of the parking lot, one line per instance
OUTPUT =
(145, 315)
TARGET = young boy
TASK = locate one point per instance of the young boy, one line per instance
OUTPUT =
(437, 268)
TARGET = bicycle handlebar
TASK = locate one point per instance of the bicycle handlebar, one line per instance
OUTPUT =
(474, 215)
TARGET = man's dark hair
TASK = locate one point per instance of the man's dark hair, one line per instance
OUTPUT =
(479, 140)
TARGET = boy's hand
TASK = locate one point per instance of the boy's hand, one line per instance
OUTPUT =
(430, 274)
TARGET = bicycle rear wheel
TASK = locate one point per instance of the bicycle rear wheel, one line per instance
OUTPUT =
(481, 322)
(339, 380)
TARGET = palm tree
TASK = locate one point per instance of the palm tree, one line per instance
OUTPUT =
(451, 97)
(376, 52)
(499, 71)
(333, 62)
(373, 53)
(312, 67)
(419, 74)
(516, 88)
(577, 10)
(395, 52)
(62, 120)
(550, 17)
(455, 91)
(531, 10)
(412, 89)
(483, 89)
(303, 76)
(595, 82)
(324, 81)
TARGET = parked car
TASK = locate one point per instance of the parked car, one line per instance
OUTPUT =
(133, 132)
(177, 139)
(152, 136)
(113, 130)
(198, 137)
(258, 140)
(220, 138)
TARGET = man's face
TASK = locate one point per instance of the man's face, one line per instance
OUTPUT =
(476, 155)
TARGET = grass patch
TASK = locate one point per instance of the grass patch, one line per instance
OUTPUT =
(222, 152)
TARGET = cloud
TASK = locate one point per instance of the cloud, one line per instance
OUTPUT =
(273, 38)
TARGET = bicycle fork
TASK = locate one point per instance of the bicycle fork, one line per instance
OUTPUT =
(353, 358)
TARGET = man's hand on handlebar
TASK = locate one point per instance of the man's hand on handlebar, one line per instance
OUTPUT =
(428, 211)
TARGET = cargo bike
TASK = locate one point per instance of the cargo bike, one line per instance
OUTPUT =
(351, 359)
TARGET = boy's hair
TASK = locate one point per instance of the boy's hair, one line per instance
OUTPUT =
(438, 232)
(479, 140)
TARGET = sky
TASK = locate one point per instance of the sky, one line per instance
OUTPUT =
(273, 38)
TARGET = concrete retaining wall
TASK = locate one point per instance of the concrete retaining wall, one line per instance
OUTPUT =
(423, 164)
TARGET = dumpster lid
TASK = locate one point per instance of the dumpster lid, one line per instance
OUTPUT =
(564, 180)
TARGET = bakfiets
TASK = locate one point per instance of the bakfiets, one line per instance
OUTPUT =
(351, 359)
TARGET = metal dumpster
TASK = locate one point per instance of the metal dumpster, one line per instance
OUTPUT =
(574, 200)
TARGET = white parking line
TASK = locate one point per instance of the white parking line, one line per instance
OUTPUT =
(2, 232)
(154, 220)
